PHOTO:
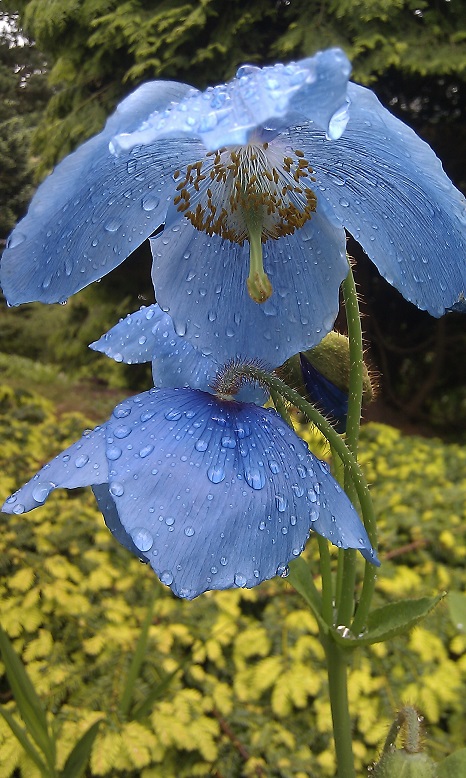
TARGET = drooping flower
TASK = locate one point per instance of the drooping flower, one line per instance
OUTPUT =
(148, 335)
(212, 494)
(256, 182)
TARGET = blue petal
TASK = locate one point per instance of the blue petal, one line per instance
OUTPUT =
(219, 494)
(330, 400)
(95, 208)
(201, 282)
(82, 464)
(109, 511)
(269, 98)
(148, 335)
(389, 190)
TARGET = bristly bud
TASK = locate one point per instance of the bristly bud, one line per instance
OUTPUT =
(234, 375)
(410, 761)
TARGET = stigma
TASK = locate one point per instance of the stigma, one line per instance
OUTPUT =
(248, 193)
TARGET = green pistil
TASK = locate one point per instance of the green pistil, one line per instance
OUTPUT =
(258, 282)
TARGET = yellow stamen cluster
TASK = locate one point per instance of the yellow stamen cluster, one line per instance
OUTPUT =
(221, 193)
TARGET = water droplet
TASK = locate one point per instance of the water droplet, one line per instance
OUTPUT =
(121, 412)
(166, 577)
(255, 478)
(173, 415)
(298, 491)
(313, 514)
(274, 466)
(19, 509)
(116, 489)
(113, 225)
(150, 202)
(283, 571)
(281, 503)
(189, 532)
(41, 492)
(216, 474)
(142, 538)
(228, 441)
(240, 580)
(262, 525)
(169, 521)
(82, 460)
(223, 561)
(122, 431)
(201, 445)
(113, 452)
(343, 202)
(144, 452)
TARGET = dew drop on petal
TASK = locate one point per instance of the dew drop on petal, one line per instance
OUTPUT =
(19, 509)
(144, 452)
(189, 532)
(150, 202)
(82, 460)
(223, 561)
(240, 580)
(166, 577)
(142, 538)
(216, 474)
(116, 489)
(113, 452)
(41, 492)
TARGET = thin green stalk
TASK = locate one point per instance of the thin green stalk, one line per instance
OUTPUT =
(353, 423)
(327, 581)
(138, 658)
(338, 693)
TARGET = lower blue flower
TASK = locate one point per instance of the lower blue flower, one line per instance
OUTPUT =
(213, 494)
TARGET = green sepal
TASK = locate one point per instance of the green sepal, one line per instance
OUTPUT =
(78, 758)
(401, 764)
(29, 705)
(331, 358)
(390, 620)
(457, 609)
(453, 766)
(21, 736)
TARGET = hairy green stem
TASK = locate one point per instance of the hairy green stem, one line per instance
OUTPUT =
(353, 423)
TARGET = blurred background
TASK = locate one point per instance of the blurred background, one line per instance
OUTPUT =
(64, 65)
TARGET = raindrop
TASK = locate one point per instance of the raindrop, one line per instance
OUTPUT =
(240, 580)
(313, 514)
(19, 508)
(228, 441)
(116, 489)
(113, 452)
(283, 571)
(142, 538)
(82, 460)
(173, 415)
(169, 521)
(274, 466)
(201, 445)
(122, 432)
(41, 492)
(144, 452)
(189, 532)
(150, 202)
(254, 478)
(223, 560)
(262, 525)
(15, 239)
(281, 503)
(344, 203)
(113, 225)
(166, 577)
(216, 474)
(121, 412)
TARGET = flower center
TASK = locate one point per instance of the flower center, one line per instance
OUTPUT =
(249, 193)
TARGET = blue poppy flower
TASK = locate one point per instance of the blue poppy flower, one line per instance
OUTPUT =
(256, 182)
(213, 494)
(148, 335)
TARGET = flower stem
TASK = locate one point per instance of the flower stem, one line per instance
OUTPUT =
(353, 423)
(338, 693)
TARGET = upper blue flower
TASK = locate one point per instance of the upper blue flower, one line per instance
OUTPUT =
(213, 494)
(256, 182)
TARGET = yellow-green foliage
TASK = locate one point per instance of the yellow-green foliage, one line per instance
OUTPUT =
(250, 692)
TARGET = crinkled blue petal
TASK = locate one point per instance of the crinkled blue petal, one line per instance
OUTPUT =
(201, 282)
(95, 208)
(389, 190)
(219, 494)
(257, 99)
(82, 464)
(148, 335)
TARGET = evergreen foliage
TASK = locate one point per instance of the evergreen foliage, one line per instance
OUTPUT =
(100, 49)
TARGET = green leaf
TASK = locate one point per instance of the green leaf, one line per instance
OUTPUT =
(390, 620)
(78, 758)
(20, 735)
(457, 609)
(28, 702)
(157, 692)
(453, 766)
(300, 577)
